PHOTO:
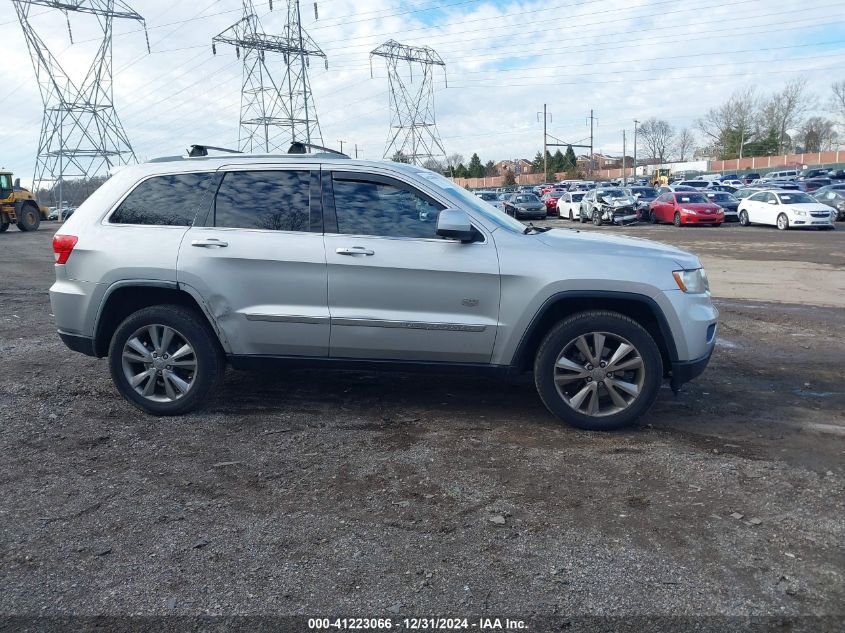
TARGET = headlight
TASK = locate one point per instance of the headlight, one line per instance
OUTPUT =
(801, 213)
(692, 281)
(692, 211)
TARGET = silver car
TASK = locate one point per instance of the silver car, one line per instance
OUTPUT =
(177, 268)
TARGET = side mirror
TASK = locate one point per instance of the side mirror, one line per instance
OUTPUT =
(771, 201)
(454, 224)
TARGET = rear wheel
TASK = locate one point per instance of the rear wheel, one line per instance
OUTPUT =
(164, 360)
(29, 218)
(783, 222)
(598, 370)
(677, 219)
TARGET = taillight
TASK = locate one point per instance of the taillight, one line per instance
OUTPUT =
(63, 247)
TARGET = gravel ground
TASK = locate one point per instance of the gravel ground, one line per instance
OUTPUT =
(316, 493)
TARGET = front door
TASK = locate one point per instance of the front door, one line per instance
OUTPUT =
(397, 291)
(259, 262)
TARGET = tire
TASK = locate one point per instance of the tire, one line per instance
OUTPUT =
(677, 220)
(4, 227)
(743, 218)
(187, 328)
(596, 218)
(29, 219)
(581, 217)
(560, 343)
(653, 217)
(782, 222)
(571, 217)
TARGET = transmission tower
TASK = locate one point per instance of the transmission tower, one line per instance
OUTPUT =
(413, 130)
(81, 134)
(275, 112)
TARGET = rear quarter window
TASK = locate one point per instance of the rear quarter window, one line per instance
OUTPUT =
(171, 200)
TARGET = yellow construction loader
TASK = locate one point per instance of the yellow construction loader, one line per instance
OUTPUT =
(661, 177)
(18, 205)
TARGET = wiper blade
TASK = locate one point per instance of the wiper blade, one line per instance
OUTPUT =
(536, 229)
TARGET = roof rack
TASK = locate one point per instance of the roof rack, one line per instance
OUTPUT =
(296, 148)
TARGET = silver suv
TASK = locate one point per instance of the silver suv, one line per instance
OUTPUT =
(177, 267)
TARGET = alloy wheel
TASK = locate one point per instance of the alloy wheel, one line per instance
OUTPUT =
(159, 363)
(599, 374)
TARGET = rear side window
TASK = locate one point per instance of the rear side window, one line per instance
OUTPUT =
(172, 200)
(265, 200)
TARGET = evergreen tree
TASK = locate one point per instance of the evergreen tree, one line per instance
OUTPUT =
(537, 163)
(400, 157)
(461, 171)
(569, 160)
(476, 169)
(490, 168)
(557, 163)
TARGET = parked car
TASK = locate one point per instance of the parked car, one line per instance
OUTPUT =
(739, 194)
(781, 174)
(836, 174)
(735, 183)
(815, 172)
(786, 185)
(785, 209)
(834, 198)
(488, 196)
(550, 199)
(697, 184)
(727, 202)
(644, 197)
(721, 187)
(725, 177)
(569, 204)
(669, 188)
(525, 205)
(608, 204)
(751, 177)
(684, 207)
(458, 285)
(811, 184)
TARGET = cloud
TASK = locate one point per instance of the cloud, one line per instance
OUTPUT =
(624, 59)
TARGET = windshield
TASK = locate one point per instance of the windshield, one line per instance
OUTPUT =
(722, 197)
(526, 198)
(645, 192)
(576, 197)
(473, 203)
(795, 198)
(612, 193)
(691, 198)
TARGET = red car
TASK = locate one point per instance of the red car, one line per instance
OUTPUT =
(550, 199)
(686, 207)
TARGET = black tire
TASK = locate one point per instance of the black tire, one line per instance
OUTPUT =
(782, 222)
(585, 323)
(677, 219)
(653, 217)
(581, 217)
(4, 227)
(210, 364)
(29, 219)
(743, 218)
(596, 218)
(571, 217)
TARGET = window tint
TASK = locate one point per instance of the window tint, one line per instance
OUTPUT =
(372, 208)
(267, 200)
(166, 200)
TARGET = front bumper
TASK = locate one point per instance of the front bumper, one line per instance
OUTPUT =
(702, 219)
(684, 371)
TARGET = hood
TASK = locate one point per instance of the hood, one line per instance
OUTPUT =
(591, 242)
(699, 206)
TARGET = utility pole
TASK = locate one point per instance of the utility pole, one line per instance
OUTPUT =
(624, 149)
(341, 145)
(546, 117)
(356, 150)
(636, 125)
(592, 119)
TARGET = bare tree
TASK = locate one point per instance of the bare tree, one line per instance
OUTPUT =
(837, 100)
(685, 143)
(817, 134)
(784, 109)
(452, 162)
(657, 136)
(740, 113)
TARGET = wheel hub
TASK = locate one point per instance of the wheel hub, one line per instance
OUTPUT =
(598, 374)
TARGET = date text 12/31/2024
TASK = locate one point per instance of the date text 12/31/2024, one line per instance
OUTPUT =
(416, 624)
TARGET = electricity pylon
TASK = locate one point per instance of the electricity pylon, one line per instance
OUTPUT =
(275, 111)
(413, 129)
(81, 134)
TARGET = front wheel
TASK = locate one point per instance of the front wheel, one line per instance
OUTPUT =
(571, 217)
(743, 218)
(596, 218)
(598, 370)
(677, 219)
(783, 222)
(29, 218)
(165, 360)
(581, 217)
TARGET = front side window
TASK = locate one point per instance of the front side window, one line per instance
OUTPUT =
(758, 197)
(172, 200)
(265, 200)
(366, 207)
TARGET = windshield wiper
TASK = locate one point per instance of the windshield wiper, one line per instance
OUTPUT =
(536, 229)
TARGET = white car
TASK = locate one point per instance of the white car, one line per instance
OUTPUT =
(785, 209)
(732, 183)
(569, 204)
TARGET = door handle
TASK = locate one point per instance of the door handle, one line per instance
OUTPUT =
(209, 242)
(355, 250)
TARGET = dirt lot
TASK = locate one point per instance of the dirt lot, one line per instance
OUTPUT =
(385, 494)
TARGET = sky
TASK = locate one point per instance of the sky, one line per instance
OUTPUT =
(624, 59)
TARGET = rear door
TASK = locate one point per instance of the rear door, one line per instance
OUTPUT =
(259, 264)
(396, 290)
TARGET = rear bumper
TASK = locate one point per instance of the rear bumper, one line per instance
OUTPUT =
(82, 344)
(684, 371)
